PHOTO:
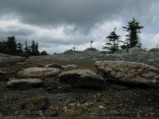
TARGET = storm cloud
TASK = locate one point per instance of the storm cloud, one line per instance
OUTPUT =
(59, 25)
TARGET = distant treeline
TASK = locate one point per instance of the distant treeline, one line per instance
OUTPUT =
(12, 47)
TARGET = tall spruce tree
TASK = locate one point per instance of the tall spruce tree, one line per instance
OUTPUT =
(133, 28)
(3, 47)
(19, 48)
(11, 45)
(27, 51)
(113, 42)
(34, 48)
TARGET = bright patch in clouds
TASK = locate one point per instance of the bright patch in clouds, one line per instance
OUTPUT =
(55, 39)
(64, 25)
(150, 41)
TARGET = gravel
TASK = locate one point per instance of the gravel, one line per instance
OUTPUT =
(148, 58)
(67, 101)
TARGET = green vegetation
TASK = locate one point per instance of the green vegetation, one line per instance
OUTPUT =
(132, 38)
(133, 29)
(11, 47)
(113, 45)
(91, 49)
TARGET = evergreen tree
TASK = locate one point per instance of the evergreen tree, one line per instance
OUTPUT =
(26, 50)
(34, 48)
(37, 49)
(113, 44)
(3, 47)
(43, 53)
(133, 28)
(26, 46)
(11, 45)
(19, 48)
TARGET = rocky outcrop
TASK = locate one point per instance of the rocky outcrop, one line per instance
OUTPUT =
(53, 65)
(10, 58)
(85, 57)
(70, 67)
(135, 50)
(35, 72)
(81, 78)
(128, 72)
(24, 83)
(3, 76)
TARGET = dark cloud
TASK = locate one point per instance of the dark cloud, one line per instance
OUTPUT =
(17, 32)
(82, 13)
(39, 19)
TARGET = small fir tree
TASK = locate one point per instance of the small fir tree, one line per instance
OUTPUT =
(113, 42)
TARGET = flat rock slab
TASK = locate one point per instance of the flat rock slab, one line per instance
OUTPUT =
(10, 58)
(54, 65)
(36, 72)
(3, 76)
(70, 67)
(81, 78)
(24, 83)
(128, 72)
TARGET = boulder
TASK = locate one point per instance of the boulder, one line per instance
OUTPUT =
(53, 65)
(81, 78)
(3, 76)
(36, 72)
(135, 50)
(24, 83)
(128, 72)
(70, 67)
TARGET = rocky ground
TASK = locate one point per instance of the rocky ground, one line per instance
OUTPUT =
(57, 100)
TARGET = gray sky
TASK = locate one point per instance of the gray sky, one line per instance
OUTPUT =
(58, 25)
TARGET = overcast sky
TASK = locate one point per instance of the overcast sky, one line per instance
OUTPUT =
(58, 25)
